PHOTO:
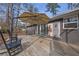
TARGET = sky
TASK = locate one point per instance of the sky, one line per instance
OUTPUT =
(42, 8)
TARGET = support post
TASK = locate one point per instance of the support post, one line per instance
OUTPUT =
(66, 35)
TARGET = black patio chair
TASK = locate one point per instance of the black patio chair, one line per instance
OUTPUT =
(13, 45)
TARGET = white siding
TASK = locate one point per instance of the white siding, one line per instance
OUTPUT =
(56, 29)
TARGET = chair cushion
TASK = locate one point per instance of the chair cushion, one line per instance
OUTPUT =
(14, 44)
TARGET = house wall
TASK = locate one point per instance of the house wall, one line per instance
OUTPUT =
(73, 36)
(62, 33)
(31, 30)
(54, 29)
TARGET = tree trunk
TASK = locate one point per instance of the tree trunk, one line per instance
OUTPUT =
(10, 19)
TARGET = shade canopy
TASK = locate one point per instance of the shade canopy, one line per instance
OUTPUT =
(34, 18)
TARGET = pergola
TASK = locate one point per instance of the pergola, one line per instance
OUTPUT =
(34, 18)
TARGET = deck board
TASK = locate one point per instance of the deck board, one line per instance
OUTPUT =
(43, 46)
(39, 48)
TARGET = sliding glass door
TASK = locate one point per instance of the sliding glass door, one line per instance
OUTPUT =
(42, 29)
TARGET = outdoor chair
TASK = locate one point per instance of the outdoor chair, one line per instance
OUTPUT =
(13, 45)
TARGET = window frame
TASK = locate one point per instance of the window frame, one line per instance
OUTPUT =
(71, 22)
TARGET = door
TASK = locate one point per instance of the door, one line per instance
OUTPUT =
(56, 29)
(50, 29)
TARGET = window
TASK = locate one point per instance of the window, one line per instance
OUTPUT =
(70, 23)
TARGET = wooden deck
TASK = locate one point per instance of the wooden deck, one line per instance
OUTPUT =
(43, 46)
(36, 46)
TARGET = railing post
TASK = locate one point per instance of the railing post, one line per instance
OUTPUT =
(5, 43)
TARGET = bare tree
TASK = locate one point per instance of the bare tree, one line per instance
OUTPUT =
(31, 8)
(52, 7)
(73, 5)
(10, 19)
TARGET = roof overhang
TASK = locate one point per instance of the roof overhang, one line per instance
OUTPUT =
(63, 15)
